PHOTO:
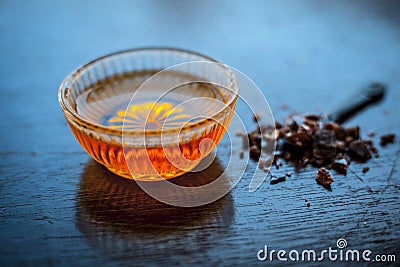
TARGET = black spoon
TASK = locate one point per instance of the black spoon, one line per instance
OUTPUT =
(367, 96)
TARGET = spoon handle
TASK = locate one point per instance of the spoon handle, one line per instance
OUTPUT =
(367, 96)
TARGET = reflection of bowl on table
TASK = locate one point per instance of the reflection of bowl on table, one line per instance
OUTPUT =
(115, 214)
(174, 120)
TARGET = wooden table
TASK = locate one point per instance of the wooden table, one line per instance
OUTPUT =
(59, 207)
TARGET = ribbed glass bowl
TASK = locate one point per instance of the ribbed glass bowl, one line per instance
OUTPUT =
(152, 139)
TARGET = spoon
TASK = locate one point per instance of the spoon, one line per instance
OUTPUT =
(367, 96)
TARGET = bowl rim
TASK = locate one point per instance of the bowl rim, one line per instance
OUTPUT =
(71, 114)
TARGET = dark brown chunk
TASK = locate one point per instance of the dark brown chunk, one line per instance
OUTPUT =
(310, 140)
(256, 117)
(340, 165)
(324, 178)
(254, 139)
(276, 180)
(255, 152)
(353, 132)
(359, 151)
(331, 126)
(313, 117)
(278, 125)
(365, 169)
(387, 138)
(324, 145)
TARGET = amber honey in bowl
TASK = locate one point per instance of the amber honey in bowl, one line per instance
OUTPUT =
(152, 112)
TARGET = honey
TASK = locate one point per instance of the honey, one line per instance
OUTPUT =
(180, 114)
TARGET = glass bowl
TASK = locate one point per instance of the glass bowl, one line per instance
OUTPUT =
(149, 114)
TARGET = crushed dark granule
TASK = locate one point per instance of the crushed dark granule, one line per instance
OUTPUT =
(359, 150)
(311, 140)
(324, 178)
(339, 165)
(276, 180)
(255, 152)
(254, 141)
(387, 138)
(365, 169)
(256, 117)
